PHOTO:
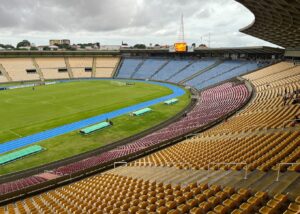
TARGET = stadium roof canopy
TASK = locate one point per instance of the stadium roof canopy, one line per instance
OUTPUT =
(229, 50)
(242, 50)
(276, 21)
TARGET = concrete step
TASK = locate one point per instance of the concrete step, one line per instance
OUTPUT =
(198, 175)
(264, 182)
(161, 174)
(284, 182)
(231, 178)
(217, 177)
(167, 177)
(293, 190)
(189, 177)
(253, 177)
(289, 182)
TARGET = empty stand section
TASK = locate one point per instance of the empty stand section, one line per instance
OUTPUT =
(199, 73)
(53, 67)
(223, 71)
(148, 68)
(128, 67)
(110, 193)
(106, 66)
(261, 136)
(20, 184)
(173, 67)
(17, 69)
(192, 69)
(258, 151)
(81, 67)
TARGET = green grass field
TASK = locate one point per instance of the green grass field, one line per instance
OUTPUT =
(26, 111)
(30, 111)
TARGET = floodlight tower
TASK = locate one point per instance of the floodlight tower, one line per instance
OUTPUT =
(180, 46)
(181, 30)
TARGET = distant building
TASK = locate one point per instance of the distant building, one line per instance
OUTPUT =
(65, 42)
(50, 47)
(53, 42)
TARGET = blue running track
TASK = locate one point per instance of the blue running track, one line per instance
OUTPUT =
(18, 143)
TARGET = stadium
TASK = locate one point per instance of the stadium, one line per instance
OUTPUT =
(203, 130)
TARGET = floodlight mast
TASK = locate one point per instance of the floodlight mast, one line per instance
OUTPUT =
(181, 30)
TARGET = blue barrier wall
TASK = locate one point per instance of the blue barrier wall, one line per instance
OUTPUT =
(18, 143)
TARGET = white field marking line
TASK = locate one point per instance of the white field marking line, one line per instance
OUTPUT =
(15, 133)
(50, 102)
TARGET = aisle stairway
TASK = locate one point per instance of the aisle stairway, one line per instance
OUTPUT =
(70, 73)
(5, 74)
(38, 69)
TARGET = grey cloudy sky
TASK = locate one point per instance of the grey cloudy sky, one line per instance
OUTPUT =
(132, 21)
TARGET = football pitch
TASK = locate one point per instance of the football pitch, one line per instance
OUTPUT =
(27, 111)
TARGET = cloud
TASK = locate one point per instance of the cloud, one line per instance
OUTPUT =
(135, 21)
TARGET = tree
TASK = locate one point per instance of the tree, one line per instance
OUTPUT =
(46, 48)
(24, 43)
(7, 46)
(34, 49)
(140, 46)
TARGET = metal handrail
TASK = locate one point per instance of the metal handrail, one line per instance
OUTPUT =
(231, 163)
(279, 168)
